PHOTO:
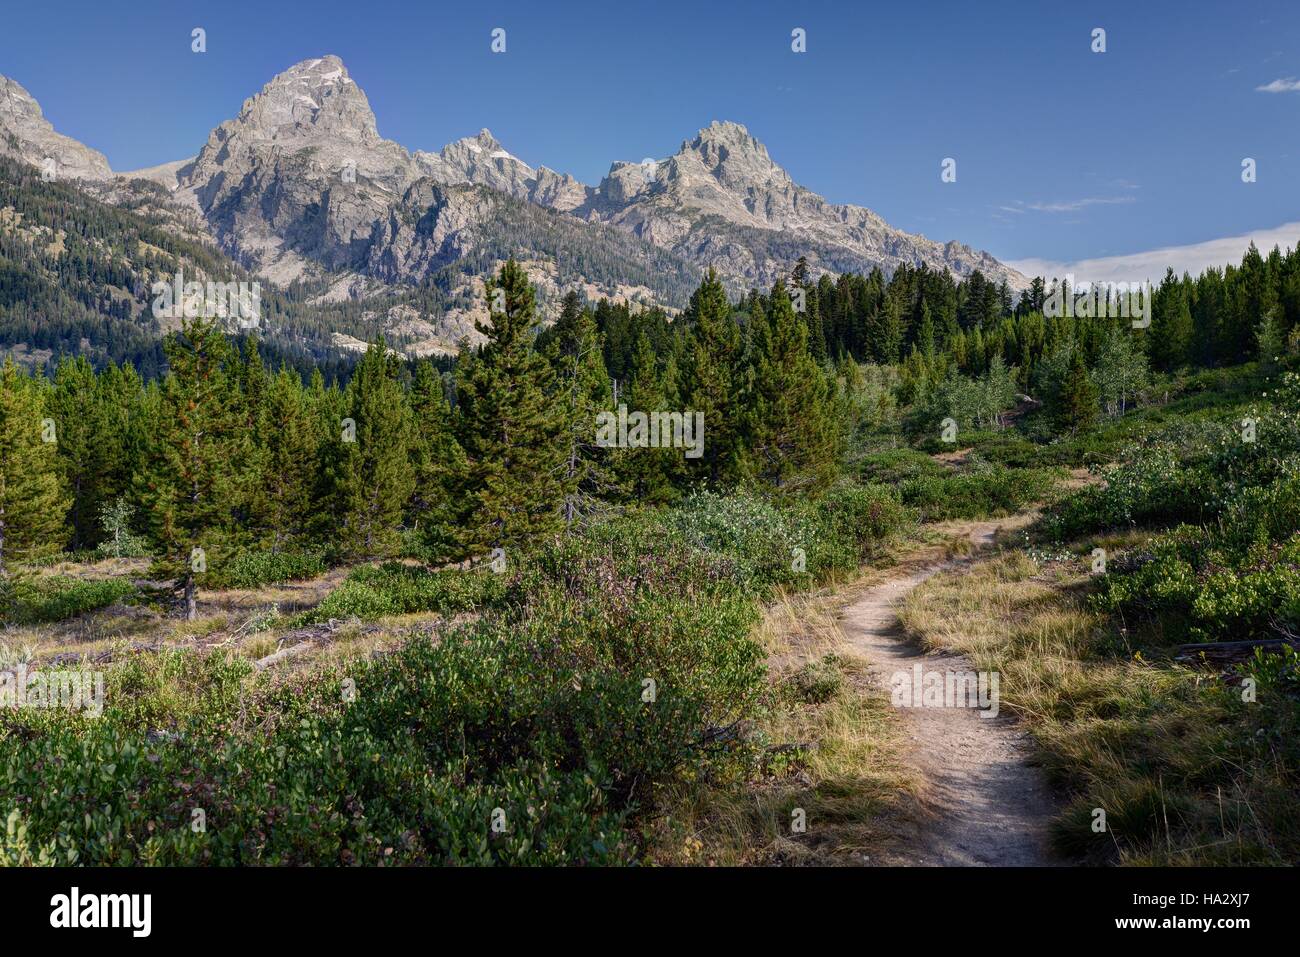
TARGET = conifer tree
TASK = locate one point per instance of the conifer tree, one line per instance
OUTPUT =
(925, 334)
(1272, 340)
(711, 380)
(650, 476)
(33, 500)
(439, 464)
(582, 389)
(509, 425)
(120, 390)
(812, 309)
(290, 445)
(1078, 400)
(368, 476)
(884, 330)
(1171, 325)
(792, 436)
(195, 480)
(86, 446)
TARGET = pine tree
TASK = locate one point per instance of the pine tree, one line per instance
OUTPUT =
(1078, 401)
(884, 330)
(368, 476)
(120, 390)
(711, 380)
(290, 446)
(195, 481)
(812, 310)
(1172, 333)
(439, 464)
(510, 427)
(33, 500)
(1272, 340)
(650, 476)
(86, 446)
(925, 334)
(792, 438)
(582, 389)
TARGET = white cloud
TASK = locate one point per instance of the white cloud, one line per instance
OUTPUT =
(1151, 265)
(1288, 84)
(1072, 205)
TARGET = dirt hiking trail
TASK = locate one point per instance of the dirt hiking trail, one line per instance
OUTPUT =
(986, 805)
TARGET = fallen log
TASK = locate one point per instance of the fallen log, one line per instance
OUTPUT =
(1230, 652)
(261, 664)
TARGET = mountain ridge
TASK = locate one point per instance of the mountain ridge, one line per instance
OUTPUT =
(300, 186)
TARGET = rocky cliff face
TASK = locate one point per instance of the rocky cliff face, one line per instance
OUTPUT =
(482, 161)
(301, 175)
(25, 134)
(722, 201)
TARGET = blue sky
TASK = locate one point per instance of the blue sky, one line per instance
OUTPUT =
(1062, 154)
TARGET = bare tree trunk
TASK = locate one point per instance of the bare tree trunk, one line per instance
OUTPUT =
(191, 603)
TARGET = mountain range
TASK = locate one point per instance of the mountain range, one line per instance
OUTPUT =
(300, 189)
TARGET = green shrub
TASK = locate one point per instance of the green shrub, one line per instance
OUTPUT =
(396, 589)
(608, 668)
(853, 522)
(58, 598)
(816, 682)
(899, 465)
(256, 569)
(987, 492)
(1200, 592)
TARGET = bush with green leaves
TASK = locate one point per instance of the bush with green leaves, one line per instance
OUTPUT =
(115, 520)
(989, 491)
(1232, 570)
(60, 597)
(323, 782)
(972, 403)
(393, 588)
(604, 670)
(898, 465)
(1192, 472)
(256, 569)
(1199, 587)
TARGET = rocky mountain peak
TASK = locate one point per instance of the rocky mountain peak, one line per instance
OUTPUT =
(306, 144)
(316, 97)
(737, 160)
(726, 133)
(26, 134)
(16, 103)
(486, 140)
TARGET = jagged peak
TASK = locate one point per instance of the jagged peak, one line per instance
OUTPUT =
(318, 71)
(14, 98)
(482, 141)
(315, 93)
(315, 80)
(725, 132)
(30, 136)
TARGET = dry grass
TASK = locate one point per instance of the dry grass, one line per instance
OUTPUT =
(848, 774)
(250, 623)
(1168, 752)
